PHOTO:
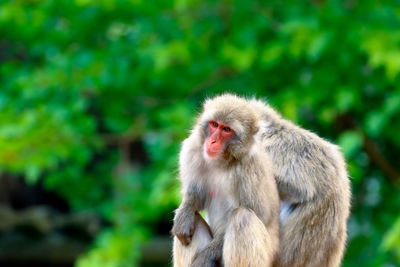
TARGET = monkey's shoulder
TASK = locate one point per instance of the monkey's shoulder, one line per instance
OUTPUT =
(293, 141)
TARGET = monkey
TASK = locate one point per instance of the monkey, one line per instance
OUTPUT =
(225, 171)
(314, 191)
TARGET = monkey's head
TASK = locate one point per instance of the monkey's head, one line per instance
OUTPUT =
(228, 126)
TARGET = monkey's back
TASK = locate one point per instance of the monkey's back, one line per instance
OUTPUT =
(311, 177)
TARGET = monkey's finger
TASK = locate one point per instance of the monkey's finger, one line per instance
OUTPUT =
(185, 239)
(188, 239)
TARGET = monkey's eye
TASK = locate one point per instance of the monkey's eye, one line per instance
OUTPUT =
(214, 124)
(227, 129)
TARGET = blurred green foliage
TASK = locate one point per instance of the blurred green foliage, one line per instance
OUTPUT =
(96, 96)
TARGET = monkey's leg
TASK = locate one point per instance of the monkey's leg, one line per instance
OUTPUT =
(183, 255)
(313, 239)
(247, 241)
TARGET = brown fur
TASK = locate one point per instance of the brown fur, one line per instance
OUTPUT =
(243, 208)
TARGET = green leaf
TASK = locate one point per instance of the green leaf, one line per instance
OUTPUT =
(350, 143)
(374, 123)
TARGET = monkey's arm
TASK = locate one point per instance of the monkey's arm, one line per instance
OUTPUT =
(184, 221)
(258, 193)
(193, 196)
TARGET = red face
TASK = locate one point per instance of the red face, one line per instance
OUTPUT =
(218, 135)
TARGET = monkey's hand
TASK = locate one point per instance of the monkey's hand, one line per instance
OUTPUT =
(210, 256)
(184, 225)
(202, 261)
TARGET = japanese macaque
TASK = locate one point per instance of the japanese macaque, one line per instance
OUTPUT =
(225, 170)
(310, 174)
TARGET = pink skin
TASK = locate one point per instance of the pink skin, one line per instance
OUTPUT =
(219, 134)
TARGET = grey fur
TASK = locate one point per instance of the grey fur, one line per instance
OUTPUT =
(312, 178)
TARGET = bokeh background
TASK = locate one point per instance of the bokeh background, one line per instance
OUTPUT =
(96, 97)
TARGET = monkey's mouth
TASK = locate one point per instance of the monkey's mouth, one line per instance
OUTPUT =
(212, 153)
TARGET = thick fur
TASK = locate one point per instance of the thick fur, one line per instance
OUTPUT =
(314, 187)
(247, 242)
(237, 190)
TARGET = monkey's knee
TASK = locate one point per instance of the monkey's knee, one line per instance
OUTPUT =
(247, 241)
(183, 255)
